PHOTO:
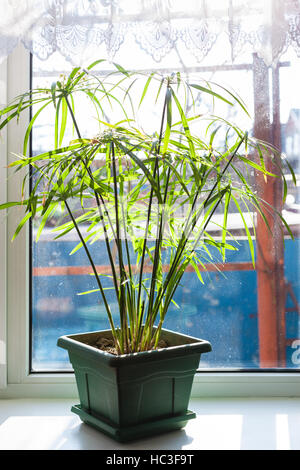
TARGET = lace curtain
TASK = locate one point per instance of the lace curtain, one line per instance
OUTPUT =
(79, 28)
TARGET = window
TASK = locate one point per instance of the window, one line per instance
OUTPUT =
(29, 330)
(236, 309)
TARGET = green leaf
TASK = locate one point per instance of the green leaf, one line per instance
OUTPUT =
(146, 88)
(96, 62)
(64, 115)
(143, 167)
(46, 155)
(227, 201)
(185, 125)
(121, 69)
(256, 166)
(6, 205)
(197, 271)
(72, 75)
(56, 127)
(250, 242)
(21, 224)
(53, 89)
(89, 291)
(213, 134)
(29, 128)
(210, 92)
(235, 97)
(169, 120)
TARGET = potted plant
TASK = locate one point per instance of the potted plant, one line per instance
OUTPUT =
(152, 196)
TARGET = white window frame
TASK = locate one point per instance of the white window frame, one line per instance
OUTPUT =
(3, 228)
(14, 290)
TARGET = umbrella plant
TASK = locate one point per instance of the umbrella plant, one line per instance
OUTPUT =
(151, 196)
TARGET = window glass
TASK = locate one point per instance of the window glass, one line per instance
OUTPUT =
(237, 308)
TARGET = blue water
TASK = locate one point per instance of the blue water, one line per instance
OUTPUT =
(223, 310)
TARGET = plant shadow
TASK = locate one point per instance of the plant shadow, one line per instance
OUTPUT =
(85, 437)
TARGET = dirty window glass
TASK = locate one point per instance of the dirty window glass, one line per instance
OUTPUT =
(250, 315)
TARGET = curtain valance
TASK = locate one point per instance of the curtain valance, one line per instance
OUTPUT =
(78, 28)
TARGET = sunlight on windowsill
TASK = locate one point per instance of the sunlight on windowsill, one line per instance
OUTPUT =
(228, 423)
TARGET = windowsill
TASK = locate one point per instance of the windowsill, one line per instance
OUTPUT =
(221, 423)
(206, 385)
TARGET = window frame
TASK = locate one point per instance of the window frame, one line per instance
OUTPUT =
(3, 228)
(14, 308)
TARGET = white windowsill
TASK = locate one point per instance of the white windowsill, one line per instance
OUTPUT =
(206, 385)
(223, 423)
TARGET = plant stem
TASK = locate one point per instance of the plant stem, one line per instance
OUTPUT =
(98, 205)
(123, 276)
(155, 172)
(184, 240)
(157, 255)
(95, 273)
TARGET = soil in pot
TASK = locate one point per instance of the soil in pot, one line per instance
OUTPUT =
(107, 345)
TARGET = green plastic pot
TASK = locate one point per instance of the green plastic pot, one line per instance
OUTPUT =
(134, 395)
